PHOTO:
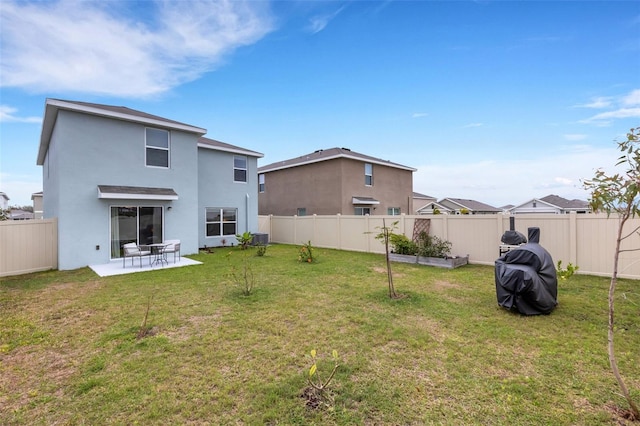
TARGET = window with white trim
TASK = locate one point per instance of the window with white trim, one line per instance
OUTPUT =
(261, 182)
(393, 211)
(362, 211)
(157, 147)
(239, 168)
(368, 174)
(221, 222)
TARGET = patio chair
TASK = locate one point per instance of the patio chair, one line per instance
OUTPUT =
(173, 246)
(132, 250)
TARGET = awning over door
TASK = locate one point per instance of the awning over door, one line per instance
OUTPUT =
(135, 193)
(367, 201)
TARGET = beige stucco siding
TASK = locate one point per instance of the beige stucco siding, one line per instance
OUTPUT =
(327, 187)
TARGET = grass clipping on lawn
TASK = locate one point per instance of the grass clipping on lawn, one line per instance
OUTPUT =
(444, 354)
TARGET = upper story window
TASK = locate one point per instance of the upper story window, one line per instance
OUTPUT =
(261, 182)
(157, 147)
(368, 174)
(239, 168)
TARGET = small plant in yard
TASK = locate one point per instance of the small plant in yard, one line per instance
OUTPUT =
(317, 392)
(565, 273)
(243, 277)
(262, 249)
(305, 253)
(433, 246)
(386, 232)
(244, 239)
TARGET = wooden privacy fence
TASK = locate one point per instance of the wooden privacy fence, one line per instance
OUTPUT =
(585, 240)
(28, 246)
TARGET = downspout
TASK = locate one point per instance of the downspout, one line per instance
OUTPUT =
(246, 210)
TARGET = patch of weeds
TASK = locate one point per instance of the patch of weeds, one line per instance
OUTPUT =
(305, 253)
(317, 394)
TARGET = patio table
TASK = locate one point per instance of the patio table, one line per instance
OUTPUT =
(157, 251)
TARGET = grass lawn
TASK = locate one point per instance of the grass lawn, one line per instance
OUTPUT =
(444, 354)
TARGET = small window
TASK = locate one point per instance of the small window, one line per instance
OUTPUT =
(239, 168)
(302, 211)
(368, 174)
(362, 211)
(393, 211)
(157, 147)
(221, 222)
(261, 182)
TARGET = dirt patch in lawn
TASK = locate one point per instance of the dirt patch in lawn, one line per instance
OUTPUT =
(381, 270)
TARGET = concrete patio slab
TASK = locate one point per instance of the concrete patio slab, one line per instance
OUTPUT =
(115, 266)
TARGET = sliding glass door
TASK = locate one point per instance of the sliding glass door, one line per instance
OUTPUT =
(134, 224)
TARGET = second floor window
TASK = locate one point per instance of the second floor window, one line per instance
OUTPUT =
(239, 168)
(157, 147)
(261, 183)
(368, 174)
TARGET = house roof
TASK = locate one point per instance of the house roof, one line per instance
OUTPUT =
(52, 106)
(136, 193)
(2, 194)
(430, 206)
(423, 196)
(36, 194)
(222, 146)
(471, 205)
(557, 202)
(329, 154)
(564, 203)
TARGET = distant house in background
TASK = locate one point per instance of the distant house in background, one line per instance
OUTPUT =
(551, 204)
(4, 201)
(433, 207)
(332, 181)
(113, 175)
(421, 200)
(16, 214)
(462, 206)
(36, 197)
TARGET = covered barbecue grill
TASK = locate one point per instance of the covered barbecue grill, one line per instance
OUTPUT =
(511, 239)
(526, 279)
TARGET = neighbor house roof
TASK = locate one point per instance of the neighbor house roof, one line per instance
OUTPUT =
(329, 154)
(423, 196)
(565, 204)
(472, 205)
(221, 146)
(5, 196)
(52, 106)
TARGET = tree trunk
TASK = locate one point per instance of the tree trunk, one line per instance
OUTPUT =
(610, 336)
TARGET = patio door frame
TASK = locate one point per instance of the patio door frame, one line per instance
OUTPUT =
(117, 241)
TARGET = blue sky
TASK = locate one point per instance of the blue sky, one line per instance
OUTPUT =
(497, 101)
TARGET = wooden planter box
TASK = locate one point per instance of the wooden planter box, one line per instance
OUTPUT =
(449, 263)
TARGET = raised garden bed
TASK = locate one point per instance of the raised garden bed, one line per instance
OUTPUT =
(448, 262)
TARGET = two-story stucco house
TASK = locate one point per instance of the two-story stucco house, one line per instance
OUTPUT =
(113, 175)
(332, 181)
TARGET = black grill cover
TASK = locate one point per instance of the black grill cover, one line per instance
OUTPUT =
(526, 279)
(513, 238)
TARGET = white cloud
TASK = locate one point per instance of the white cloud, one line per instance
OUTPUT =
(632, 98)
(7, 115)
(319, 22)
(599, 102)
(95, 47)
(575, 137)
(473, 125)
(623, 107)
(514, 181)
(419, 114)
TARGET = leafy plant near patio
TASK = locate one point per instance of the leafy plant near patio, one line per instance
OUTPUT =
(305, 253)
(261, 249)
(619, 193)
(244, 240)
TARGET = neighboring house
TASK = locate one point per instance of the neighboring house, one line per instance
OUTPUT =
(113, 175)
(36, 198)
(4, 201)
(462, 206)
(551, 204)
(434, 207)
(421, 200)
(332, 181)
(16, 214)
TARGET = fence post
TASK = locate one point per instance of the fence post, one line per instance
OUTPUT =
(573, 238)
(339, 226)
(445, 227)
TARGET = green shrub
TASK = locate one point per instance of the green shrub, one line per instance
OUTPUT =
(402, 245)
(432, 246)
